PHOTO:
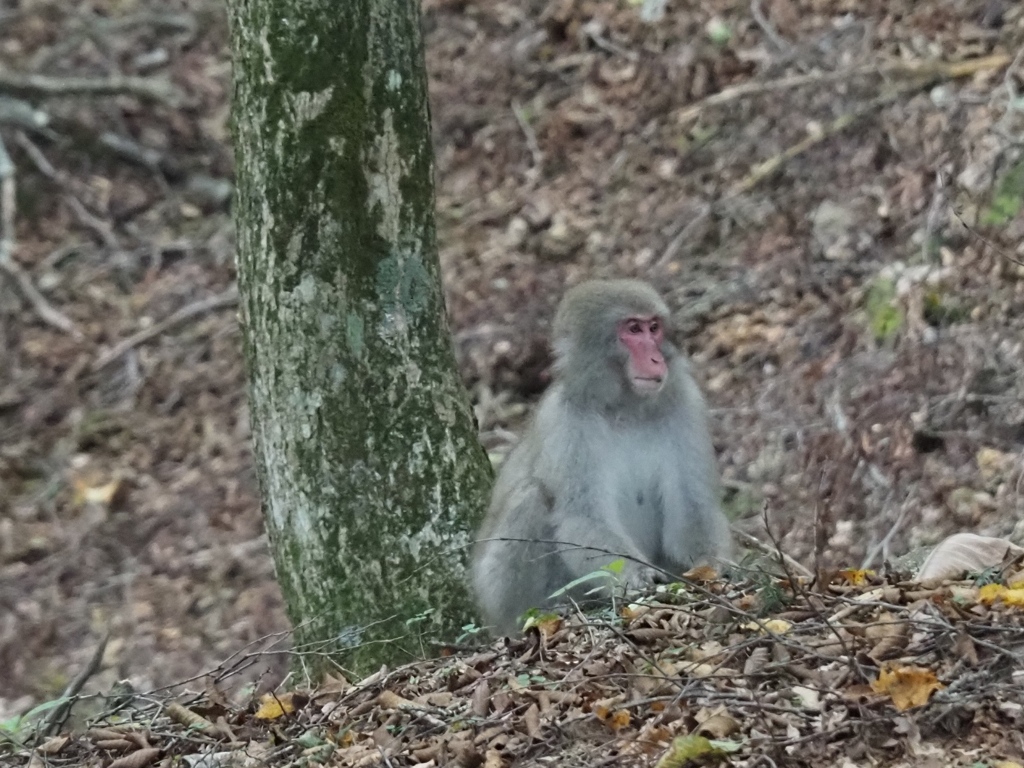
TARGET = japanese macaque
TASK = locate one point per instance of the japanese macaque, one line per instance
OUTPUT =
(617, 464)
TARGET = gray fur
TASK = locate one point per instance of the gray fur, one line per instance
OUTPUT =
(601, 467)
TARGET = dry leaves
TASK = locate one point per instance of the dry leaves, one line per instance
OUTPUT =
(679, 676)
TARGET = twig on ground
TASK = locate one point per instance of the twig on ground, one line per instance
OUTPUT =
(531, 136)
(21, 114)
(592, 31)
(1001, 252)
(97, 28)
(95, 224)
(883, 546)
(60, 713)
(684, 235)
(753, 543)
(922, 72)
(8, 266)
(221, 301)
(766, 26)
(933, 219)
(100, 228)
(44, 86)
(132, 151)
(770, 166)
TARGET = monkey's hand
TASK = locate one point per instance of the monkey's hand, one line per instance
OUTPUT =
(638, 576)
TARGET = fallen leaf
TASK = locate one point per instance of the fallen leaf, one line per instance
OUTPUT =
(907, 686)
(964, 553)
(138, 759)
(272, 706)
(718, 726)
(989, 593)
(772, 626)
(701, 573)
(856, 577)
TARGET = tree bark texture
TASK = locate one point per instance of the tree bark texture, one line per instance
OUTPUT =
(371, 473)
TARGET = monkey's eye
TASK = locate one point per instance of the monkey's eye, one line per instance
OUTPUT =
(634, 326)
(655, 325)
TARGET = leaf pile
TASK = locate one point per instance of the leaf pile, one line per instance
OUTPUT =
(865, 668)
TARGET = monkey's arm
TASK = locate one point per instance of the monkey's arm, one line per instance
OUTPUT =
(698, 531)
(588, 543)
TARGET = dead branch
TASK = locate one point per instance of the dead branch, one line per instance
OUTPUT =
(21, 114)
(221, 301)
(926, 71)
(531, 137)
(100, 228)
(8, 266)
(770, 166)
(60, 713)
(749, 541)
(45, 86)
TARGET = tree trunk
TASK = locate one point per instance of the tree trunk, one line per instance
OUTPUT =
(365, 444)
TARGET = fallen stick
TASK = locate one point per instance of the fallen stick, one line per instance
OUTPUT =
(226, 299)
(150, 89)
(929, 71)
(9, 266)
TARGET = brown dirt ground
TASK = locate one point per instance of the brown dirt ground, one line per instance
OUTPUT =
(856, 316)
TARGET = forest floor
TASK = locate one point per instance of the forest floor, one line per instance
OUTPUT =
(828, 192)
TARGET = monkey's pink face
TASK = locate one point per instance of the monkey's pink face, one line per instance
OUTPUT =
(646, 368)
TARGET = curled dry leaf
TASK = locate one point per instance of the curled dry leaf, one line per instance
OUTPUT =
(481, 698)
(53, 745)
(965, 553)
(756, 661)
(115, 745)
(702, 573)
(718, 726)
(684, 749)
(139, 759)
(187, 717)
(907, 686)
(532, 721)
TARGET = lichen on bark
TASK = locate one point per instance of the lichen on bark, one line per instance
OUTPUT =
(365, 444)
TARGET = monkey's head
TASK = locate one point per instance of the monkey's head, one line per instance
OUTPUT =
(609, 340)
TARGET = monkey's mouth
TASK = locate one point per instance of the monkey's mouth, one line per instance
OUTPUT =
(647, 384)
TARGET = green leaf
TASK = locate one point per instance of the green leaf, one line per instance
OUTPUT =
(885, 316)
(592, 576)
(1008, 199)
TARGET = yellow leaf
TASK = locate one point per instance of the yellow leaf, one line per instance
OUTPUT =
(273, 706)
(773, 626)
(778, 626)
(856, 577)
(1014, 597)
(989, 593)
(907, 686)
(634, 611)
(991, 462)
(619, 720)
(549, 625)
(100, 495)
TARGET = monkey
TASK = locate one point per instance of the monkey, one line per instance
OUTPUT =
(617, 464)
